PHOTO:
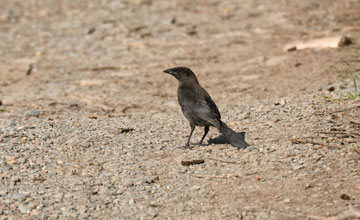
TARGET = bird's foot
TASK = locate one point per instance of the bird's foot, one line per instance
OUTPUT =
(187, 146)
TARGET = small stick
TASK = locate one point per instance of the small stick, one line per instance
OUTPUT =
(224, 176)
(224, 161)
(355, 122)
(192, 162)
(30, 69)
(217, 177)
(99, 68)
(299, 141)
(339, 132)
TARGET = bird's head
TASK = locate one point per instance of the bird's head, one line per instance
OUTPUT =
(182, 74)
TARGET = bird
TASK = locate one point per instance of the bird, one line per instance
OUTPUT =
(199, 108)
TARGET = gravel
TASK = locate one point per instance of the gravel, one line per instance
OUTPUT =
(86, 167)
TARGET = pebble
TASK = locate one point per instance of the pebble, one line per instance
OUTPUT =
(12, 123)
(58, 197)
(24, 209)
(22, 160)
(32, 113)
(15, 179)
(45, 137)
(20, 196)
(287, 200)
(3, 193)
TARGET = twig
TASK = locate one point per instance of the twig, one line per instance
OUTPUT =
(323, 218)
(220, 160)
(339, 132)
(218, 176)
(99, 68)
(192, 162)
(104, 68)
(224, 176)
(355, 122)
(126, 130)
(249, 174)
(300, 141)
(30, 69)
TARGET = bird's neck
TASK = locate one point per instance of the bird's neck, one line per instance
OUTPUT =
(190, 81)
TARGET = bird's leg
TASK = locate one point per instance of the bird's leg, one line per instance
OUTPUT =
(192, 125)
(206, 130)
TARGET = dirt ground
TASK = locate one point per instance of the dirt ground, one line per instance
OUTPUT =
(90, 127)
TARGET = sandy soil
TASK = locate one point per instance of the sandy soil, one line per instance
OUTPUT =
(90, 127)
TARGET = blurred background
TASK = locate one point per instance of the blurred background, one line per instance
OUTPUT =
(108, 56)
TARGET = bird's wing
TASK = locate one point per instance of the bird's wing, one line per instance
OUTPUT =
(212, 104)
(198, 106)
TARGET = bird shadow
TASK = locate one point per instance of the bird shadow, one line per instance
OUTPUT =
(221, 139)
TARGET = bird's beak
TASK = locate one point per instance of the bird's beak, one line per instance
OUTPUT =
(168, 71)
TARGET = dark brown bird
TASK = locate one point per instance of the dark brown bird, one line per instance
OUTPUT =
(199, 108)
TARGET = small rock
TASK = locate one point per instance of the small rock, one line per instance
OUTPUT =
(131, 201)
(32, 113)
(11, 159)
(91, 30)
(93, 116)
(20, 196)
(298, 166)
(22, 160)
(283, 101)
(46, 137)
(24, 209)
(118, 192)
(345, 197)
(331, 89)
(108, 174)
(308, 186)
(73, 105)
(59, 197)
(12, 123)
(287, 200)
(3, 193)
(129, 183)
(68, 196)
(15, 179)
(35, 212)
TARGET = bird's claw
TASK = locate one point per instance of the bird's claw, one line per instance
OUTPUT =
(187, 146)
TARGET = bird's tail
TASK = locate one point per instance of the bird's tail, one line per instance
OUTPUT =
(232, 137)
